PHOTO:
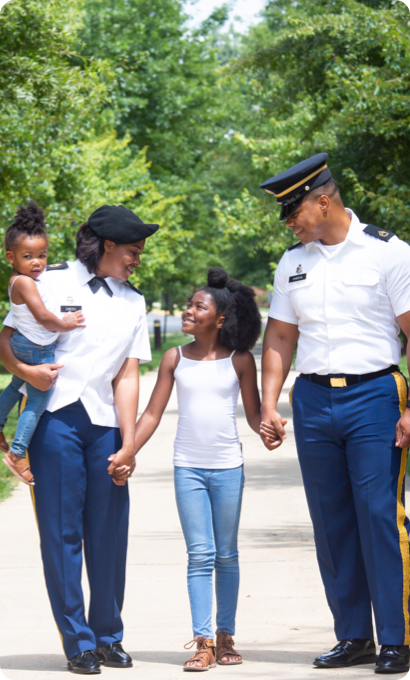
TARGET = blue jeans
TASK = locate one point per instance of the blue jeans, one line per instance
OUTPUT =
(37, 401)
(209, 507)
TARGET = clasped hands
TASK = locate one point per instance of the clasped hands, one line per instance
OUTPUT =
(272, 430)
(122, 465)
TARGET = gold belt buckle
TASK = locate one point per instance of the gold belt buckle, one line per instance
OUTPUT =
(338, 382)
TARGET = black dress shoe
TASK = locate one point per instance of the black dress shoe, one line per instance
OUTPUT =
(393, 659)
(113, 655)
(348, 653)
(85, 663)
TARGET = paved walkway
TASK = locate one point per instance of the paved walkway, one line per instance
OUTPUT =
(283, 621)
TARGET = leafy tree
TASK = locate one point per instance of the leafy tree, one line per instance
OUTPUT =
(44, 108)
(328, 75)
(58, 144)
(163, 91)
(163, 84)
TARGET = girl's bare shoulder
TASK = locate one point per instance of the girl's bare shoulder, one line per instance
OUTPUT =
(22, 282)
(244, 361)
(170, 359)
(245, 357)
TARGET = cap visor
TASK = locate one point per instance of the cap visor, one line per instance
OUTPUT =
(149, 230)
(152, 228)
(288, 210)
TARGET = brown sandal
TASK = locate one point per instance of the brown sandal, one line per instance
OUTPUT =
(205, 654)
(225, 650)
(18, 466)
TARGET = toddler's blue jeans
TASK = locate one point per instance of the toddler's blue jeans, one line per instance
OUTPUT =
(32, 354)
(209, 506)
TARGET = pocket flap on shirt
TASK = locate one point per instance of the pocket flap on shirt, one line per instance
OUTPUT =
(358, 279)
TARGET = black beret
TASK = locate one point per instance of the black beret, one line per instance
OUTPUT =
(291, 186)
(119, 224)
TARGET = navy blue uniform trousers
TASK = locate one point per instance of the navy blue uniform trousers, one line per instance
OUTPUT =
(77, 503)
(354, 481)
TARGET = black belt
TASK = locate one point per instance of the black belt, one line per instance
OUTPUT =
(340, 380)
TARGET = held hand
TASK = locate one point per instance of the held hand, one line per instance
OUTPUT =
(74, 320)
(122, 465)
(44, 376)
(270, 439)
(272, 430)
(121, 474)
(403, 430)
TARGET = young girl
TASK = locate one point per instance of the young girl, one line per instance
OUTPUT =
(225, 322)
(37, 329)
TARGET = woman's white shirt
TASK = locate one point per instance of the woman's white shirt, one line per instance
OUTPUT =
(116, 329)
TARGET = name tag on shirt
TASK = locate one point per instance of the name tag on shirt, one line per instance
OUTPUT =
(70, 308)
(298, 277)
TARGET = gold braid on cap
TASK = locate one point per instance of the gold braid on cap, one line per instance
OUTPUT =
(298, 184)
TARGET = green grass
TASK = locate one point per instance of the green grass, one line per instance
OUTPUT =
(173, 340)
(404, 369)
(403, 366)
(7, 480)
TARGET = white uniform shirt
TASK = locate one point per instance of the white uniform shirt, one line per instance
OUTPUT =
(345, 301)
(116, 328)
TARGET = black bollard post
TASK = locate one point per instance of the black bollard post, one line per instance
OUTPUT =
(157, 334)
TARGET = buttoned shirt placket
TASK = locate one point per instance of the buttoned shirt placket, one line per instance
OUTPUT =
(328, 263)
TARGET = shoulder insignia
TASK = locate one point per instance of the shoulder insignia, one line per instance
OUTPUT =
(127, 283)
(295, 245)
(378, 233)
(57, 265)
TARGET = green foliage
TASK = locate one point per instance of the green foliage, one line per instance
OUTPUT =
(172, 340)
(7, 480)
(60, 146)
(162, 83)
(328, 75)
(44, 108)
(165, 92)
(119, 102)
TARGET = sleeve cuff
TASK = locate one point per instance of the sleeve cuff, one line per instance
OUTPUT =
(282, 317)
(142, 360)
(401, 311)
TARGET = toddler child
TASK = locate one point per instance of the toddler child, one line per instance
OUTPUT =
(37, 329)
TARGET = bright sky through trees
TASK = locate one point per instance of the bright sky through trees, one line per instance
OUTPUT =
(247, 10)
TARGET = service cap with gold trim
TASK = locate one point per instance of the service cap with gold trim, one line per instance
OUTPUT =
(291, 186)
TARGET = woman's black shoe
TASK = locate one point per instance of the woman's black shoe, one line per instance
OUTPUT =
(348, 653)
(113, 655)
(393, 659)
(85, 663)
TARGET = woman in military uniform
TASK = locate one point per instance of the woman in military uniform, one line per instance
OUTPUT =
(90, 417)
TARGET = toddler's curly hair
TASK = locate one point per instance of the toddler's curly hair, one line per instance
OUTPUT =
(28, 221)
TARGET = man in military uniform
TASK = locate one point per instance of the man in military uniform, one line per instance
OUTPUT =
(343, 292)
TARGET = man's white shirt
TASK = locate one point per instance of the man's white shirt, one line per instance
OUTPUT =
(345, 301)
(116, 329)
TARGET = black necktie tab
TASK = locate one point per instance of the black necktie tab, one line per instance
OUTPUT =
(96, 283)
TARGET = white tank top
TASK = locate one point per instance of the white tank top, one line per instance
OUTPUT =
(207, 399)
(25, 322)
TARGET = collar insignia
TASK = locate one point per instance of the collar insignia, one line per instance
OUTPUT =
(378, 233)
(56, 266)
